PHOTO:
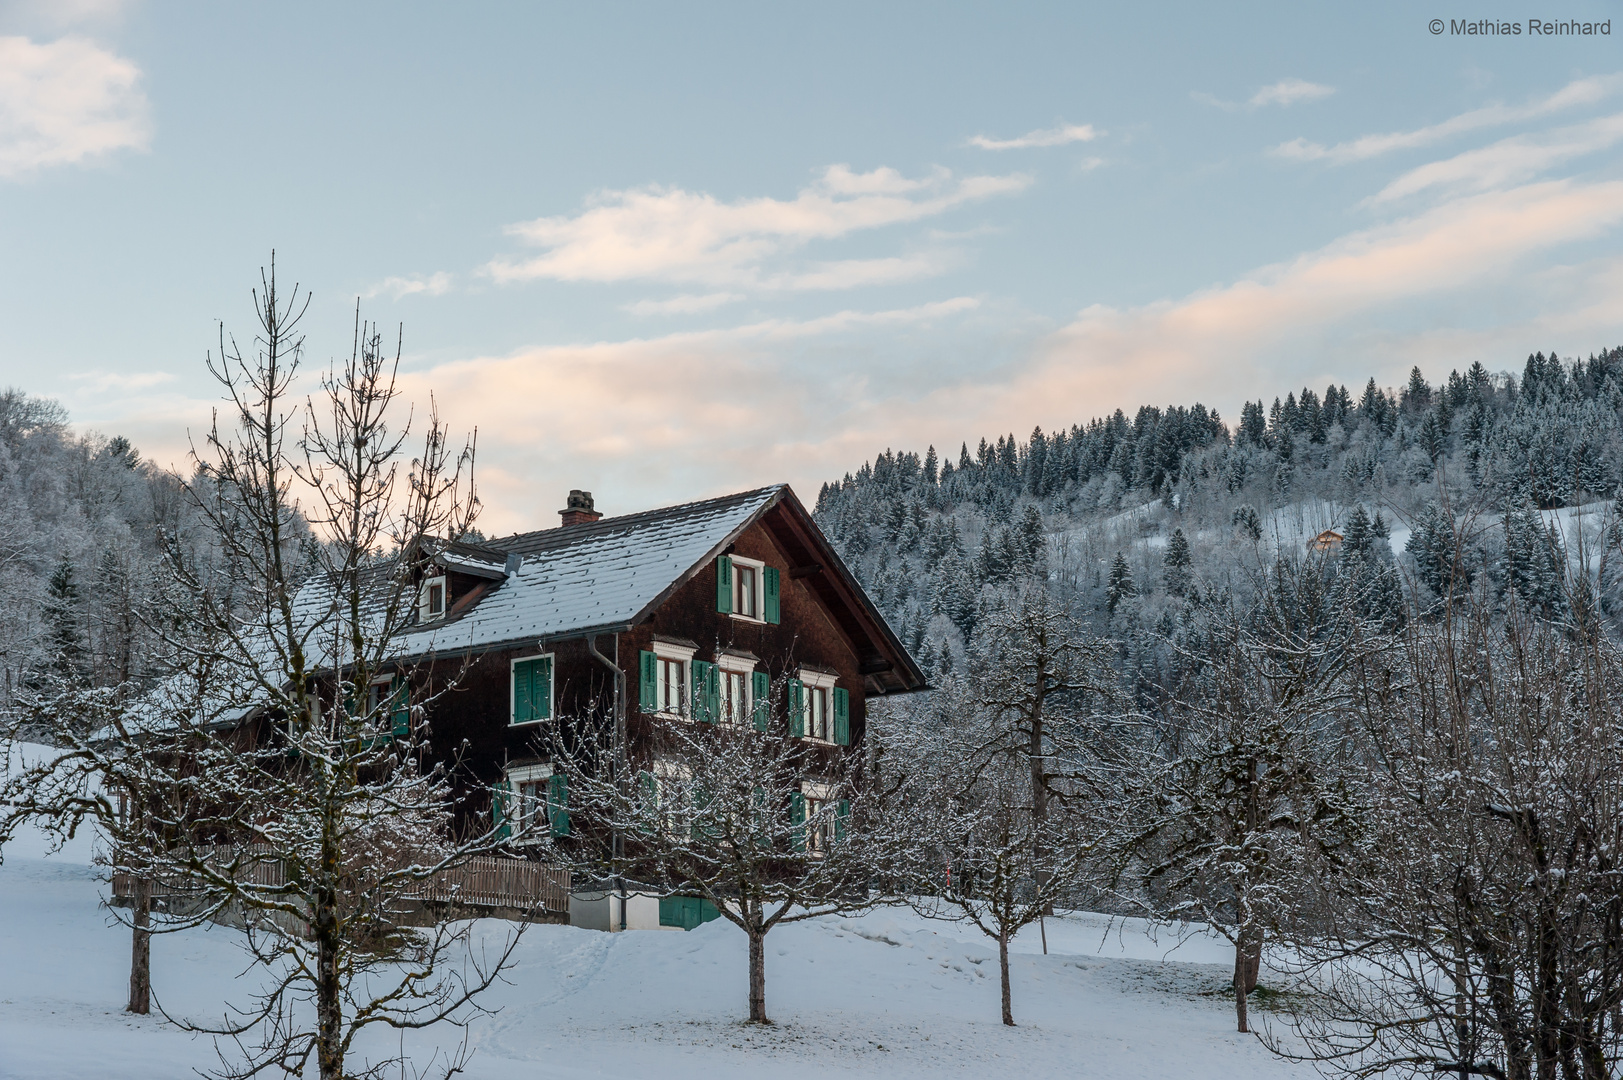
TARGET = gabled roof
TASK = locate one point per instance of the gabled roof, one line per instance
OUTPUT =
(611, 574)
(599, 576)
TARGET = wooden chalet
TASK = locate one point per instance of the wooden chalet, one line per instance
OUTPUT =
(1329, 541)
(645, 619)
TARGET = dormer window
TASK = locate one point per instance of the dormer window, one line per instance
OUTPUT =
(747, 589)
(431, 599)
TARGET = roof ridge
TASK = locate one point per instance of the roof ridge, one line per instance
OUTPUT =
(603, 524)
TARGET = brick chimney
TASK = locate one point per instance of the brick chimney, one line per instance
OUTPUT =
(579, 511)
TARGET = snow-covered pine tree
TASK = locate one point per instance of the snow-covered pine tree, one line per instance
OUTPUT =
(1175, 564)
(1120, 586)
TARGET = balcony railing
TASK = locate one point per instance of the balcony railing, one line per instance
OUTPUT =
(482, 881)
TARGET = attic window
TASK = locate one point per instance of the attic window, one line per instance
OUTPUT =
(431, 599)
(747, 589)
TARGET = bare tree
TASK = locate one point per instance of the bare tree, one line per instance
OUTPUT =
(1251, 780)
(964, 839)
(1479, 931)
(755, 822)
(308, 802)
(82, 766)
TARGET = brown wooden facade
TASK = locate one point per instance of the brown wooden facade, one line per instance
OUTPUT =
(823, 624)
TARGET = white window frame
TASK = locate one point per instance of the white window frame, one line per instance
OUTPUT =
(757, 570)
(512, 693)
(744, 668)
(818, 682)
(819, 797)
(664, 772)
(669, 652)
(379, 695)
(424, 615)
(520, 810)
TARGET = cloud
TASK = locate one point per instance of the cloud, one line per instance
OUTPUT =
(708, 411)
(1055, 136)
(1222, 343)
(436, 284)
(1283, 92)
(699, 412)
(1508, 161)
(684, 305)
(1578, 92)
(65, 102)
(1289, 92)
(103, 381)
(668, 234)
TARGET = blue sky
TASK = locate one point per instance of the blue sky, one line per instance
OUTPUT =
(662, 252)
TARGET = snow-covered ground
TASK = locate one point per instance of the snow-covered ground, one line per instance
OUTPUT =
(887, 994)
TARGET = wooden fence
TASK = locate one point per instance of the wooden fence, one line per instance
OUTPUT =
(483, 881)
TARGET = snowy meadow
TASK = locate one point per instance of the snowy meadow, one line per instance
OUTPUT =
(885, 994)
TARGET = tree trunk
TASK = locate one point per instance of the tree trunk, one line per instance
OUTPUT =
(758, 978)
(1239, 1002)
(141, 947)
(1039, 793)
(1247, 964)
(1003, 963)
(329, 987)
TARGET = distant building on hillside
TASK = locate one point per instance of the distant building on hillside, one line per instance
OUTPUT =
(1329, 540)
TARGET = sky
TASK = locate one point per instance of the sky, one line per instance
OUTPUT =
(666, 251)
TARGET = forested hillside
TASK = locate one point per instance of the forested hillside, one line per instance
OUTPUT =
(82, 524)
(1128, 518)
(1131, 518)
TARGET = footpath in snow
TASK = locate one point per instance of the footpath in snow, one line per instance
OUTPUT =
(887, 994)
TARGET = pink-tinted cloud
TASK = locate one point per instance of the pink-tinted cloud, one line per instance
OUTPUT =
(668, 234)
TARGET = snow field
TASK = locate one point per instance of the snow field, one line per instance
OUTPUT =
(885, 994)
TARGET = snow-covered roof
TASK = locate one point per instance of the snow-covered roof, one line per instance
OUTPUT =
(599, 575)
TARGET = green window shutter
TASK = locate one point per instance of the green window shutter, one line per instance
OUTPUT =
(523, 702)
(541, 687)
(797, 708)
(701, 802)
(761, 689)
(773, 606)
(647, 681)
(724, 585)
(706, 691)
(558, 803)
(842, 817)
(532, 690)
(842, 716)
(797, 819)
(400, 707)
(498, 810)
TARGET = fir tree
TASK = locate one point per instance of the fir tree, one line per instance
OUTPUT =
(1248, 521)
(1121, 583)
(66, 639)
(1175, 564)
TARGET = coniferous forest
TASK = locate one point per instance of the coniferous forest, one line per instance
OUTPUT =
(1130, 519)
